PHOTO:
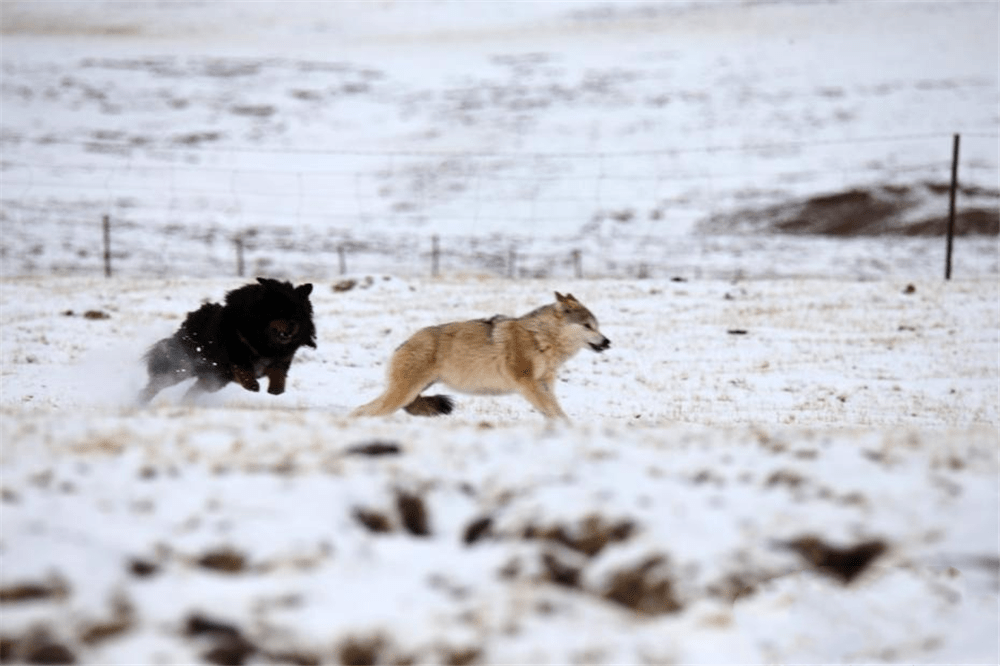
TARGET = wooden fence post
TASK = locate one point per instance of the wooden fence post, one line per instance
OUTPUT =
(107, 245)
(239, 255)
(435, 256)
(577, 265)
(342, 255)
(512, 262)
(951, 208)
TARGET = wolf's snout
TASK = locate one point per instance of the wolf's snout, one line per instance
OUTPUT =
(601, 347)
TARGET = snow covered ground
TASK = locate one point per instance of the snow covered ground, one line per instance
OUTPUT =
(546, 127)
(789, 453)
(685, 517)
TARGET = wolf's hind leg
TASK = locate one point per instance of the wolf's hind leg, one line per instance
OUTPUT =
(411, 370)
(395, 396)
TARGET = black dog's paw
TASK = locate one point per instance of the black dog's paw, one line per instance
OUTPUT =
(275, 390)
(246, 379)
(250, 384)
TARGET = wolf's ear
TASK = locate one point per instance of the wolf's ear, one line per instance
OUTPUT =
(264, 281)
(303, 290)
(571, 299)
(561, 306)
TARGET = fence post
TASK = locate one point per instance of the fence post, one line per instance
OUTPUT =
(577, 265)
(435, 256)
(238, 240)
(342, 256)
(106, 223)
(951, 208)
(512, 262)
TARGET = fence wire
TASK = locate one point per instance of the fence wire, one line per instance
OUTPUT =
(204, 211)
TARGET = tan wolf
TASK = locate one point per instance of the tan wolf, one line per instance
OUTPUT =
(489, 357)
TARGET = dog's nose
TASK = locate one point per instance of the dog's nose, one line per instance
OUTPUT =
(605, 344)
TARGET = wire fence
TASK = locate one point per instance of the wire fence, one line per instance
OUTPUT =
(141, 209)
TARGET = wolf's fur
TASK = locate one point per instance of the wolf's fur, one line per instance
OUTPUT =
(489, 357)
(255, 334)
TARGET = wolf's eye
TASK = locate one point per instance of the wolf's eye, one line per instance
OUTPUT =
(588, 327)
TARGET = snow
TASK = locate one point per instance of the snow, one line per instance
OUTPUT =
(761, 392)
(830, 417)
(609, 129)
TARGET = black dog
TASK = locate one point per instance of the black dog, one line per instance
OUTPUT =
(256, 333)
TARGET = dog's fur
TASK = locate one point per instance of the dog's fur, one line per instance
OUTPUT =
(255, 334)
(489, 356)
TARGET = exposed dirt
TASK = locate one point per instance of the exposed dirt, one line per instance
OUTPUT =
(878, 210)
(37, 646)
(645, 588)
(375, 448)
(413, 514)
(224, 560)
(589, 538)
(55, 588)
(844, 564)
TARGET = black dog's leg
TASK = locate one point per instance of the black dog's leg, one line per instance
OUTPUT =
(205, 384)
(157, 383)
(276, 375)
(244, 377)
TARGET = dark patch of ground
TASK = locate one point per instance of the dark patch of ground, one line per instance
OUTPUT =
(883, 210)
(413, 513)
(38, 646)
(843, 564)
(223, 560)
(589, 537)
(375, 448)
(645, 588)
(53, 588)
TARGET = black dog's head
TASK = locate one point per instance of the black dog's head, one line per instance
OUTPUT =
(277, 314)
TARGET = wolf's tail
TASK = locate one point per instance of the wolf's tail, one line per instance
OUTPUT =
(430, 405)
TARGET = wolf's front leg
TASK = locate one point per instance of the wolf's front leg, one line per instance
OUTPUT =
(540, 395)
(244, 377)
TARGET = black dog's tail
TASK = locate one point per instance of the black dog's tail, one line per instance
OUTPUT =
(166, 356)
(430, 405)
(167, 364)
